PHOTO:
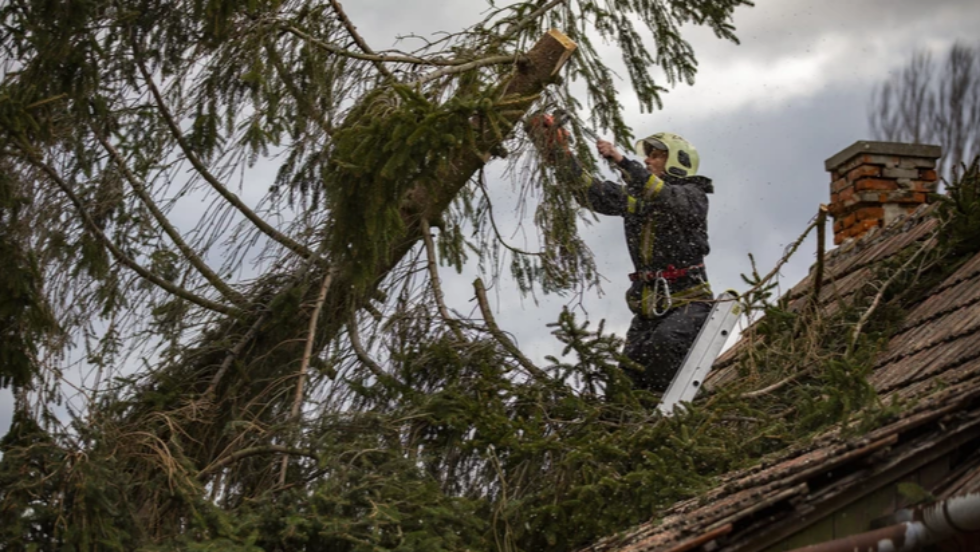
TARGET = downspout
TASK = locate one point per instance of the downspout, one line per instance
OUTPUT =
(931, 524)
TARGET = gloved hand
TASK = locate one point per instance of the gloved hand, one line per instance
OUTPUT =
(551, 139)
(608, 151)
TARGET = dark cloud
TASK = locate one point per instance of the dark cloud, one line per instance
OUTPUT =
(765, 115)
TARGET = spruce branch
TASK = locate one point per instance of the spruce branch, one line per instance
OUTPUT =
(503, 59)
(362, 355)
(498, 334)
(453, 65)
(199, 166)
(99, 235)
(311, 109)
(188, 252)
(433, 267)
(790, 251)
(382, 58)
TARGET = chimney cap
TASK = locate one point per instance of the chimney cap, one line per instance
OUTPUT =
(882, 148)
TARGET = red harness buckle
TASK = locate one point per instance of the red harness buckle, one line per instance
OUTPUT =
(671, 274)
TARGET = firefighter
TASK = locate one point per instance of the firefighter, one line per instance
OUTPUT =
(664, 205)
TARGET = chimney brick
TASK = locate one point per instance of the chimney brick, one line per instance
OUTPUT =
(873, 183)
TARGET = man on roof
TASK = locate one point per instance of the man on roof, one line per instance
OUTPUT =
(664, 205)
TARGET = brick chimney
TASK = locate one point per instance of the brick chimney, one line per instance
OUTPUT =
(873, 183)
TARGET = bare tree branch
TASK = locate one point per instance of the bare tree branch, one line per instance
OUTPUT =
(305, 364)
(929, 104)
(349, 25)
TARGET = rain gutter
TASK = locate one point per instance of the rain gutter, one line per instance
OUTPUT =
(930, 524)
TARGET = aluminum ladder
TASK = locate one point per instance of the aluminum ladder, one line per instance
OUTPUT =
(700, 358)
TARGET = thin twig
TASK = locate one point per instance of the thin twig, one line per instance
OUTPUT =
(305, 364)
(779, 384)
(430, 252)
(518, 26)
(45, 101)
(456, 64)
(168, 228)
(294, 91)
(495, 331)
(384, 58)
(94, 229)
(224, 192)
(361, 43)
(786, 256)
(493, 221)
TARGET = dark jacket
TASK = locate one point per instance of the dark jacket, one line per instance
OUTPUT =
(666, 224)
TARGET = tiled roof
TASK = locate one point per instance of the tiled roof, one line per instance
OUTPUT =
(933, 362)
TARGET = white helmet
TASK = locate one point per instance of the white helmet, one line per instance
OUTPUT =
(682, 158)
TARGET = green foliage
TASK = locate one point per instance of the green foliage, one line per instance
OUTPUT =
(55, 499)
(29, 505)
(811, 359)
(25, 318)
(959, 210)
(399, 140)
(448, 443)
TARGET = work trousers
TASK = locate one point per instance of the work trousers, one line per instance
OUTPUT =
(660, 344)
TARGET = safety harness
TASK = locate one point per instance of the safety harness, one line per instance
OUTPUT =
(657, 298)
(670, 274)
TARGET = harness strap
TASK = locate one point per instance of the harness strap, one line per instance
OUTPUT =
(671, 274)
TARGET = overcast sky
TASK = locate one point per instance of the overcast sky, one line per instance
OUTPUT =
(764, 115)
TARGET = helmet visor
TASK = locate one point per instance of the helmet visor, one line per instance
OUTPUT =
(652, 144)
